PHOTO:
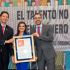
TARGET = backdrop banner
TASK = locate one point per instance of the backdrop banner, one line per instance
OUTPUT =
(58, 17)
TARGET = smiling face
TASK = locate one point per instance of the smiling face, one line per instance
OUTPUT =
(21, 27)
(4, 18)
(37, 19)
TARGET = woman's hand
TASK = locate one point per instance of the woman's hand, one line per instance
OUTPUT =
(13, 59)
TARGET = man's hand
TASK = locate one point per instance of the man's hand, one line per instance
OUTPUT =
(35, 34)
(13, 59)
(9, 41)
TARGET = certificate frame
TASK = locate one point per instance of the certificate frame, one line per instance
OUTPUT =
(25, 45)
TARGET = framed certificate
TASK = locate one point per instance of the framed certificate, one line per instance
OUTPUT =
(24, 50)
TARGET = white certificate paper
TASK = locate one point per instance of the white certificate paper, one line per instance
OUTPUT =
(24, 48)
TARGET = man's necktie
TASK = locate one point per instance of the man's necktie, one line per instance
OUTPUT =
(3, 29)
(38, 30)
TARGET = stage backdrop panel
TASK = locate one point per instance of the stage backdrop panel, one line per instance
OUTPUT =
(58, 17)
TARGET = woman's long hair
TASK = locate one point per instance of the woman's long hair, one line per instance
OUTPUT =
(21, 22)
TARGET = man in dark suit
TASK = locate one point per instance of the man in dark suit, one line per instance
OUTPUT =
(6, 33)
(43, 37)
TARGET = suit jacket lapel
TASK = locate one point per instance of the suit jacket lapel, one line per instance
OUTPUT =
(1, 30)
(42, 29)
(34, 28)
(5, 32)
(6, 29)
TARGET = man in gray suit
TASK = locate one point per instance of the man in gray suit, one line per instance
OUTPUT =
(43, 37)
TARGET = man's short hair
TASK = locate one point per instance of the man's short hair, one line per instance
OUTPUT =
(4, 12)
(37, 14)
